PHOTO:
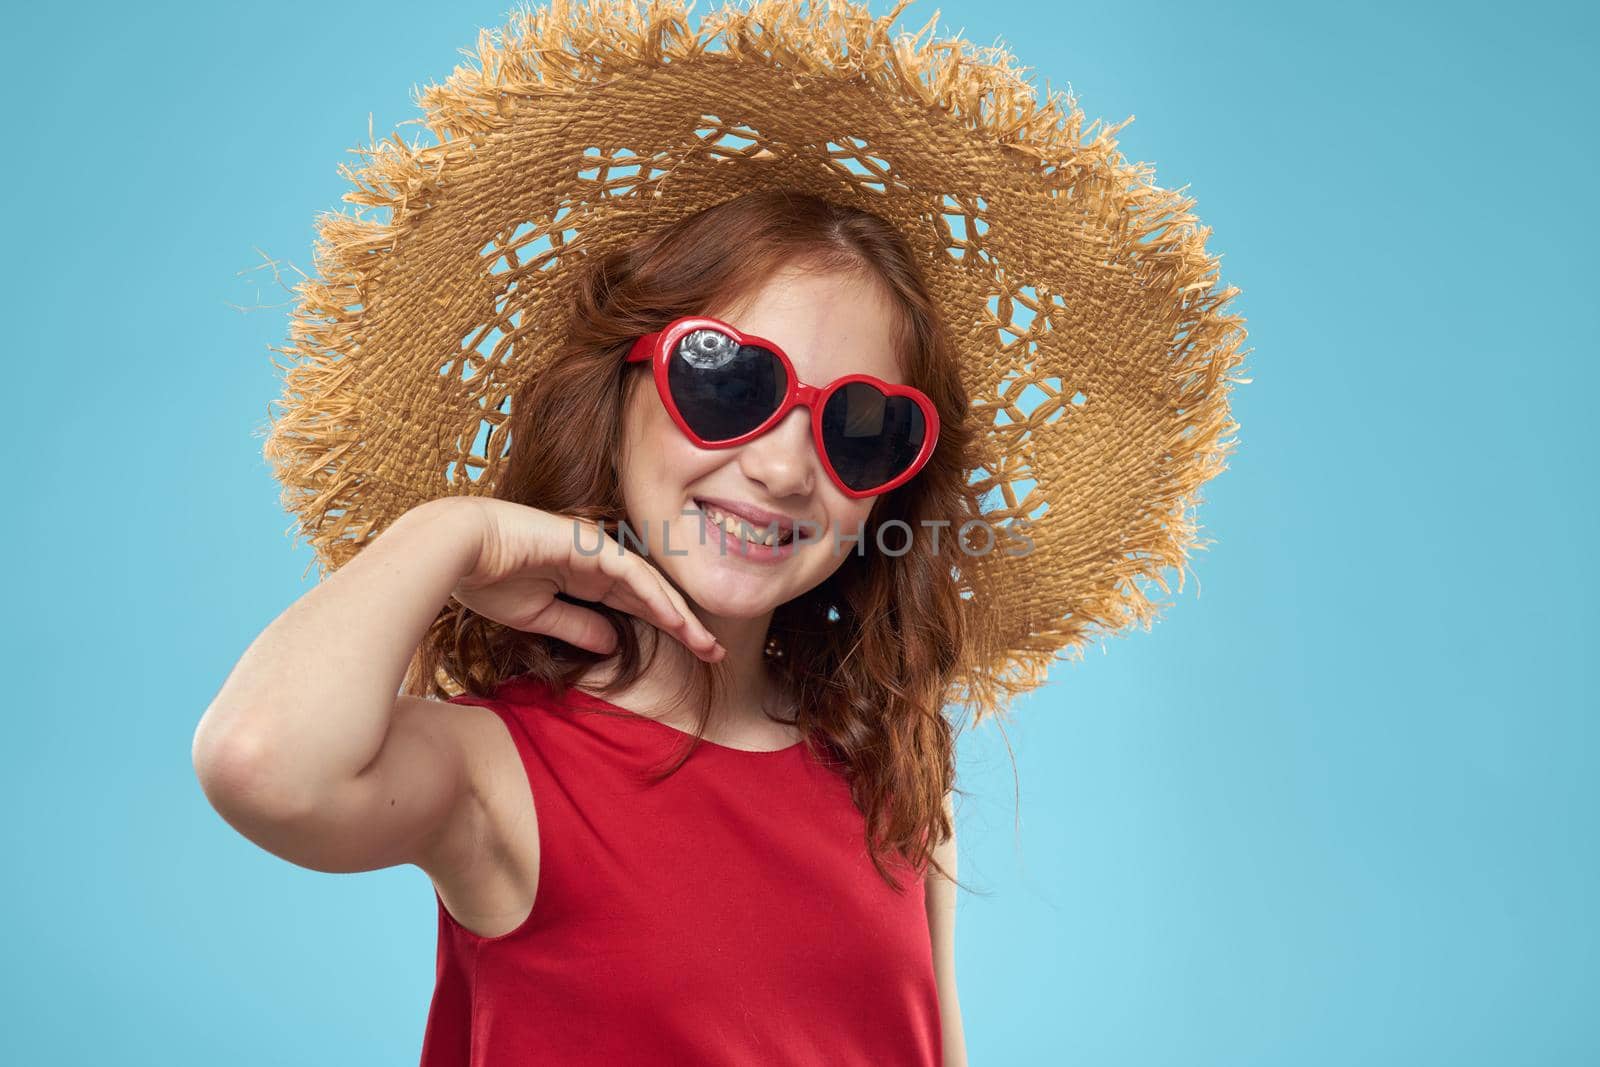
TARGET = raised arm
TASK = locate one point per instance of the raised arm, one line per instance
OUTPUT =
(307, 749)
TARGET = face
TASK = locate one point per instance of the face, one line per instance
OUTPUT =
(829, 325)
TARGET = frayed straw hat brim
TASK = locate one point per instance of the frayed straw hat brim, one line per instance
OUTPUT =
(1094, 334)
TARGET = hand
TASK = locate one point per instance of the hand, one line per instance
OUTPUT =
(527, 556)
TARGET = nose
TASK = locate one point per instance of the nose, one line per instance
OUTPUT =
(784, 458)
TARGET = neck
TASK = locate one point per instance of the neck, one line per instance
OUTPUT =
(750, 694)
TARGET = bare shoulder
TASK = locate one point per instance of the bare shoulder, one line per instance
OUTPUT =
(485, 862)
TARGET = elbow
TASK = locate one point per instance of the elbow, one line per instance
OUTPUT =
(243, 778)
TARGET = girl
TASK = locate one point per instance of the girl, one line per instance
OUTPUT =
(674, 634)
(693, 807)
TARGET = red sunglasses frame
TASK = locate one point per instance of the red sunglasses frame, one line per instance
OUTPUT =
(658, 348)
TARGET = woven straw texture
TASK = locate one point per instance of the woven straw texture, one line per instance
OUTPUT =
(1093, 329)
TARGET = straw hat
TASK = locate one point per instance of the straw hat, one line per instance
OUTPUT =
(1091, 325)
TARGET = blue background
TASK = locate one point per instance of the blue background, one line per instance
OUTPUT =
(1337, 807)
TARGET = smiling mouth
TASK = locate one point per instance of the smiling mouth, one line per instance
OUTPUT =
(744, 529)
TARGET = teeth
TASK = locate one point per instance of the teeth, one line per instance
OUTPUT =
(738, 527)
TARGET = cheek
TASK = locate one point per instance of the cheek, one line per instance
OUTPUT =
(846, 517)
(640, 456)
(658, 460)
(855, 513)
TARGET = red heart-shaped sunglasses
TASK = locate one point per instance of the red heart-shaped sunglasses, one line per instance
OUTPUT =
(724, 387)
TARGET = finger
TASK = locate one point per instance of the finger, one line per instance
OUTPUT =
(635, 586)
(661, 608)
(667, 609)
(575, 625)
(677, 600)
(694, 632)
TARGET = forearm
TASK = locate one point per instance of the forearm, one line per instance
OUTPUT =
(953, 1033)
(308, 705)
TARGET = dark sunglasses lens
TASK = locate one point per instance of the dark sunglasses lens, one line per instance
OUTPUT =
(724, 389)
(871, 438)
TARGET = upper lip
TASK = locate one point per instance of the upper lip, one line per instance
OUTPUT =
(760, 518)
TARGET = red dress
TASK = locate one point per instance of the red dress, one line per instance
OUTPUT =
(727, 915)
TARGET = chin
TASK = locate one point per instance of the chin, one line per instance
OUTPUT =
(724, 600)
